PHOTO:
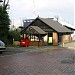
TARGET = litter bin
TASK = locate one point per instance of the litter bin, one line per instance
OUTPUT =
(24, 43)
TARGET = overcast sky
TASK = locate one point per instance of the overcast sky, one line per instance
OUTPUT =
(22, 9)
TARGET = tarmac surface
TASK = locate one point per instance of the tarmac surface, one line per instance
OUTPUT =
(38, 61)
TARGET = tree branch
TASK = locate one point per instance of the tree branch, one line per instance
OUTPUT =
(5, 4)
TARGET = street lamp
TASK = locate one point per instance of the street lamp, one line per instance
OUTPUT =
(1, 1)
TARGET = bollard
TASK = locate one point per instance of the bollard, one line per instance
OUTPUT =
(63, 44)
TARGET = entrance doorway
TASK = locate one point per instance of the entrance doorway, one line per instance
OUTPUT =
(50, 39)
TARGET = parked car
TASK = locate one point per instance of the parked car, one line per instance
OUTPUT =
(2, 46)
(24, 43)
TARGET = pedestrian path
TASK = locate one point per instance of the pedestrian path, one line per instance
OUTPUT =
(69, 45)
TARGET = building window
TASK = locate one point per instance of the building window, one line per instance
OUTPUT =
(33, 38)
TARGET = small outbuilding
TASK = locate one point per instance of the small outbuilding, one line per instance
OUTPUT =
(46, 31)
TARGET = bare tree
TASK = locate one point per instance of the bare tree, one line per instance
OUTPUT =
(5, 4)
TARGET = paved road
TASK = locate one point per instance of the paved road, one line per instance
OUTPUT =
(45, 62)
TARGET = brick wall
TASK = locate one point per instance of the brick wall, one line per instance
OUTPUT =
(55, 38)
(66, 38)
(35, 43)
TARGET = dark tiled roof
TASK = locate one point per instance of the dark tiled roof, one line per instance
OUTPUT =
(51, 23)
(55, 25)
(38, 29)
(71, 28)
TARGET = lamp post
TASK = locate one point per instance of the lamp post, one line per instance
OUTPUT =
(1, 4)
(1, 1)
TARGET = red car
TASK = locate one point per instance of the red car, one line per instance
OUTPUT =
(24, 43)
